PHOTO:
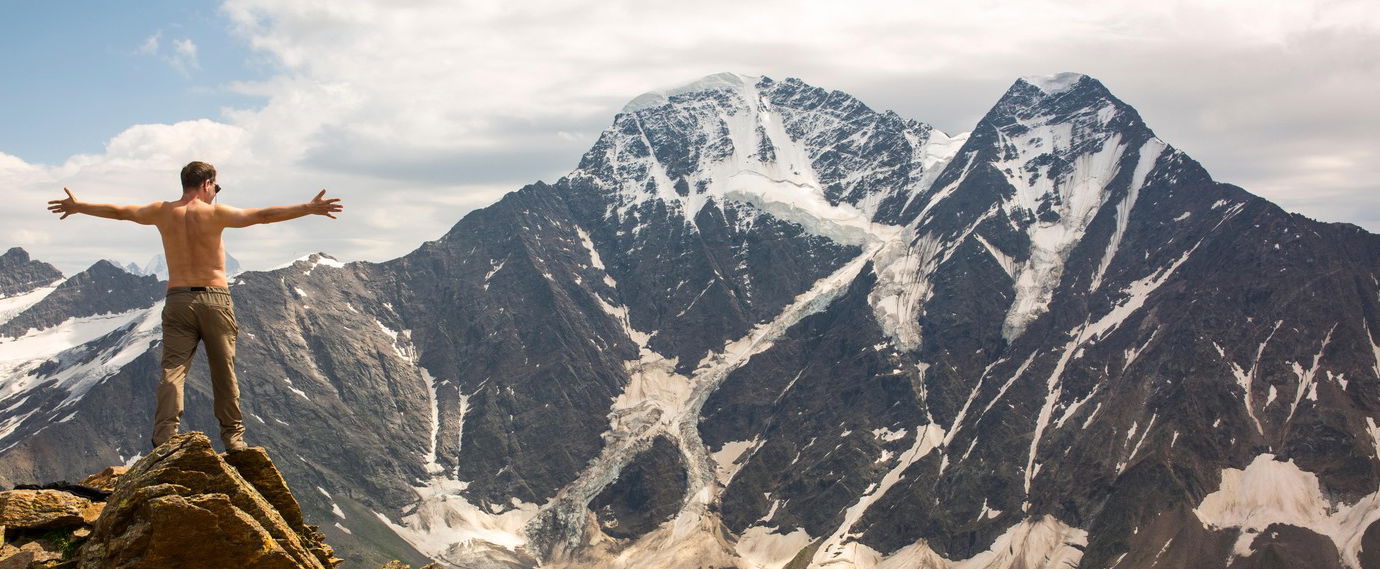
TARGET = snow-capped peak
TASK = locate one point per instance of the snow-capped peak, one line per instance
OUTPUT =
(1056, 83)
(717, 81)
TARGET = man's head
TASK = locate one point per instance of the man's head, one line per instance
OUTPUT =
(196, 174)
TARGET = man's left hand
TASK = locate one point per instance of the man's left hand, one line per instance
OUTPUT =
(319, 205)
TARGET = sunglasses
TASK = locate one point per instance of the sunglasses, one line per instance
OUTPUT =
(218, 188)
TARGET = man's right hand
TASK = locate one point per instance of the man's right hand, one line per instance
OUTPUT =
(65, 207)
(321, 206)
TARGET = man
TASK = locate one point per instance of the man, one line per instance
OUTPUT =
(198, 308)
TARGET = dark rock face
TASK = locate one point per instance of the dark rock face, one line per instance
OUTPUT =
(20, 274)
(810, 332)
(649, 490)
(818, 418)
(1283, 546)
(88, 293)
(1370, 546)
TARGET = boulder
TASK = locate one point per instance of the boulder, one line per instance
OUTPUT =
(255, 466)
(44, 509)
(184, 505)
(32, 554)
(16, 559)
(105, 480)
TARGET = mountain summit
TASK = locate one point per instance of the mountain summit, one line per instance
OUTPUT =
(764, 325)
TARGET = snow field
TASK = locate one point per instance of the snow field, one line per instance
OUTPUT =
(1270, 491)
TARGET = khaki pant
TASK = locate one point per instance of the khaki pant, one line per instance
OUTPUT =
(192, 315)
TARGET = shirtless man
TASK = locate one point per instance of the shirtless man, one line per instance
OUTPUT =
(198, 308)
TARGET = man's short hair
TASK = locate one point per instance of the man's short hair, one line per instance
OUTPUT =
(197, 173)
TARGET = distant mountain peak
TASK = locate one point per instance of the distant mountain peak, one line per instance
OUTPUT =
(719, 81)
(20, 274)
(1056, 83)
(1057, 97)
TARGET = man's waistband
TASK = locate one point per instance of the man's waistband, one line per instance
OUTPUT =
(221, 289)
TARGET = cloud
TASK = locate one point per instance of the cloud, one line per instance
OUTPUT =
(443, 106)
(150, 45)
(182, 57)
(1240, 85)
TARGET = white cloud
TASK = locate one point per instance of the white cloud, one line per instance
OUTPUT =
(417, 112)
(150, 45)
(183, 57)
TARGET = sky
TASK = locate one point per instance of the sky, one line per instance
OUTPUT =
(418, 112)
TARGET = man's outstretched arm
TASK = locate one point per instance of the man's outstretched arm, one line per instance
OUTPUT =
(319, 205)
(142, 214)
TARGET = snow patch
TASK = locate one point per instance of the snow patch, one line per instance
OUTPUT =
(927, 438)
(1270, 491)
(1246, 378)
(21, 357)
(1136, 295)
(1044, 543)
(1080, 192)
(444, 524)
(761, 547)
(12, 306)
(1148, 155)
(726, 460)
(715, 82)
(888, 435)
(1056, 83)
(1307, 377)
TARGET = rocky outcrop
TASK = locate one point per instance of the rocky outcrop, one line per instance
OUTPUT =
(42, 527)
(20, 274)
(186, 506)
(183, 506)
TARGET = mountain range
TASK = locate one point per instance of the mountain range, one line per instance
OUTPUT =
(763, 325)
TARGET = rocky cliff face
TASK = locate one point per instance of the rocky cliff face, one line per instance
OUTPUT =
(19, 274)
(762, 325)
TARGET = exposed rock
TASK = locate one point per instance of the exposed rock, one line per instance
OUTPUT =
(1283, 546)
(255, 466)
(74, 489)
(20, 274)
(43, 551)
(647, 493)
(34, 554)
(43, 509)
(15, 560)
(106, 479)
(185, 506)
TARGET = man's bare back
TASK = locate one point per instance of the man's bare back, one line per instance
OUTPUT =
(199, 308)
(191, 227)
